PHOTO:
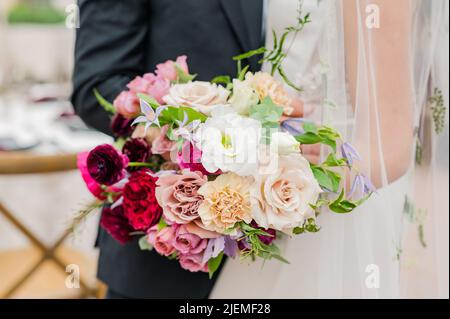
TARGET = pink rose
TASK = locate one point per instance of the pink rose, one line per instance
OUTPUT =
(162, 240)
(168, 71)
(159, 86)
(91, 184)
(162, 145)
(193, 263)
(188, 243)
(127, 104)
(177, 195)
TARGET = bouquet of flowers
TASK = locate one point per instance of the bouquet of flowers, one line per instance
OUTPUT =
(200, 170)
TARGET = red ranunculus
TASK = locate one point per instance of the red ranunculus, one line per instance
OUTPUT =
(106, 165)
(121, 126)
(116, 224)
(137, 150)
(139, 201)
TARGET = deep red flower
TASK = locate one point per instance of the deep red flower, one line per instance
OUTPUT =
(137, 150)
(116, 224)
(265, 239)
(139, 200)
(106, 165)
(121, 126)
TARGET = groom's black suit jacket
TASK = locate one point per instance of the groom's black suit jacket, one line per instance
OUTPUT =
(119, 39)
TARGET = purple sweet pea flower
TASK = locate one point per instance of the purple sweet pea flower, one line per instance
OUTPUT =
(150, 116)
(293, 126)
(214, 248)
(349, 153)
(231, 247)
(361, 186)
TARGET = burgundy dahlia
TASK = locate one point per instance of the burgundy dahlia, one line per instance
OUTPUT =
(121, 126)
(106, 165)
(137, 150)
(116, 224)
(139, 200)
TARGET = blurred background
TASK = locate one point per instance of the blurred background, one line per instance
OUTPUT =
(40, 189)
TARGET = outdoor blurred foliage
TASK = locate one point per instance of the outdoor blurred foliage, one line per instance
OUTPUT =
(35, 11)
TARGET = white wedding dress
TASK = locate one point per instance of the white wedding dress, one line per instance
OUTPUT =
(355, 255)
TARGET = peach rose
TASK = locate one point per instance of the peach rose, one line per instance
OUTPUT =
(202, 96)
(281, 200)
(265, 85)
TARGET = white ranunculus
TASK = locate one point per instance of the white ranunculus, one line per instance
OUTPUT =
(202, 96)
(281, 200)
(244, 97)
(284, 143)
(229, 142)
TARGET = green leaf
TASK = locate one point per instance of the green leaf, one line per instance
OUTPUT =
(191, 114)
(287, 81)
(332, 161)
(249, 54)
(162, 224)
(326, 178)
(183, 77)
(222, 79)
(341, 205)
(107, 106)
(147, 98)
(243, 72)
(214, 263)
(266, 111)
(308, 138)
(144, 244)
(310, 127)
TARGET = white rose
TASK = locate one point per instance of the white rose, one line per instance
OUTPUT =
(229, 142)
(202, 96)
(281, 200)
(284, 143)
(244, 97)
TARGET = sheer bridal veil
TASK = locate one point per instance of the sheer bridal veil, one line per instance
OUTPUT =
(376, 71)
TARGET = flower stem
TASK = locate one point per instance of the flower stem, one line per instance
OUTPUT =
(139, 164)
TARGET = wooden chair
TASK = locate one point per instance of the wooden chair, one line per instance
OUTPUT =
(26, 163)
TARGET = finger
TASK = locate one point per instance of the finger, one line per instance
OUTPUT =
(312, 158)
(310, 149)
(297, 108)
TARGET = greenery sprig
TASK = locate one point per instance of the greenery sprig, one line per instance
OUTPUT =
(278, 53)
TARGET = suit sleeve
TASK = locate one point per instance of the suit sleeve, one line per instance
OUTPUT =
(109, 52)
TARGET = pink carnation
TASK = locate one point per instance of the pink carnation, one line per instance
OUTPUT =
(193, 263)
(168, 71)
(177, 195)
(188, 243)
(127, 104)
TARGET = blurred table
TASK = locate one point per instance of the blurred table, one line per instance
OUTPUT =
(40, 189)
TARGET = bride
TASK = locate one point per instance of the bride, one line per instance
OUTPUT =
(364, 72)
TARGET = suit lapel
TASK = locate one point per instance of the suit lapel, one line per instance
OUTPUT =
(235, 16)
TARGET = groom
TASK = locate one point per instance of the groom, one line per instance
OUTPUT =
(118, 40)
